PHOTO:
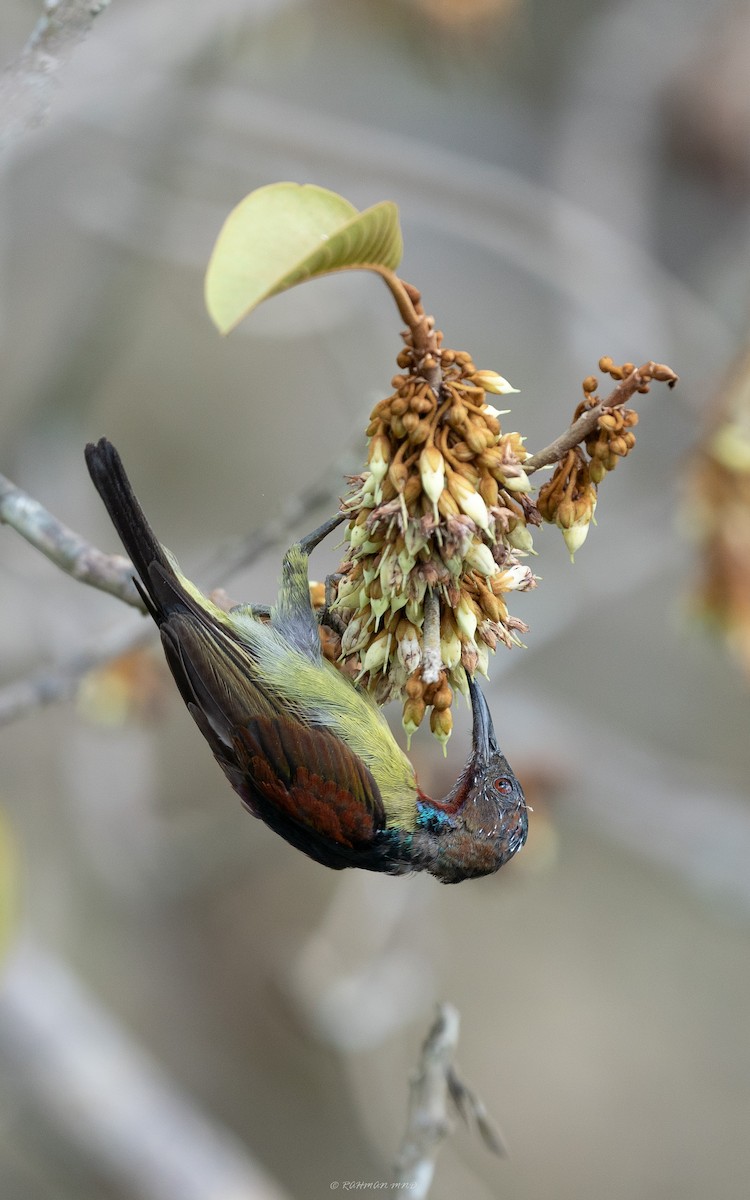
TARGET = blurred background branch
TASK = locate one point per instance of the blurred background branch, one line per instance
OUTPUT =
(28, 83)
(109, 1097)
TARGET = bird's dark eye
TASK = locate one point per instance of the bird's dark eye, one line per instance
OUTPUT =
(503, 785)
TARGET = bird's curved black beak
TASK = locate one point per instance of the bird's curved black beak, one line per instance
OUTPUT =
(483, 740)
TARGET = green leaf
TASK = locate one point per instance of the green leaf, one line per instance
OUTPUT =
(285, 233)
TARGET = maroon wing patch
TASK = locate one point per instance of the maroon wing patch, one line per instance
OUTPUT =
(309, 777)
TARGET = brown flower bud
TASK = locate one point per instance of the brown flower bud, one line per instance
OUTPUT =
(413, 715)
(457, 415)
(422, 403)
(478, 439)
(443, 697)
(441, 725)
(398, 474)
(414, 686)
(488, 490)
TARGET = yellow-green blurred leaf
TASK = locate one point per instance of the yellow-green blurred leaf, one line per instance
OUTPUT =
(285, 233)
(730, 446)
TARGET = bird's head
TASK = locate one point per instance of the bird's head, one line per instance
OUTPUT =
(487, 764)
(482, 821)
(487, 793)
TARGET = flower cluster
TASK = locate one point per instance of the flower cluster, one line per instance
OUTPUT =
(568, 498)
(438, 526)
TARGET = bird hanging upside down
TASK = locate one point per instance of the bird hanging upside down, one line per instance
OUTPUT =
(306, 750)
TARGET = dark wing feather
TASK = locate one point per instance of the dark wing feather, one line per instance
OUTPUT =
(302, 781)
(308, 787)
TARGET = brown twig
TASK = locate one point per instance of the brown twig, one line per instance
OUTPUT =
(636, 381)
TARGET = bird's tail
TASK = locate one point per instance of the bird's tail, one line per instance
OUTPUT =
(161, 583)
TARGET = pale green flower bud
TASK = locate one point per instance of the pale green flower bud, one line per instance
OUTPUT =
(466, 618)
(347, 590)
(450, 646)
(432, 472)
(380, 606)
(379, 457)
(483, 658)
(575, 536)
(459, 681)
(479, 558)
(517, 483)
(520, 539)
(469, 501)
(414, 611)
(492, 382)
(377, 654)
(358, 536)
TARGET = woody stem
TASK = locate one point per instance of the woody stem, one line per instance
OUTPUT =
(637, 380)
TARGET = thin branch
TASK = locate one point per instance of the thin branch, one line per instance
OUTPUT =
(26, 84)
(428, 1121)
(638, 380)
(472, 1108)
(111, 573)
(434, 1083)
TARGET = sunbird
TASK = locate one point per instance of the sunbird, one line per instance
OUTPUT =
(308, 751)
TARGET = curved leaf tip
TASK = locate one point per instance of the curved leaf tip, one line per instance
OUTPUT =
(285, 233)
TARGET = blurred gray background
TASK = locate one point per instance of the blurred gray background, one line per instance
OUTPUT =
(190, 1007)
